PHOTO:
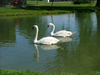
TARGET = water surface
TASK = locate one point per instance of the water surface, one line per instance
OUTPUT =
(77, 54)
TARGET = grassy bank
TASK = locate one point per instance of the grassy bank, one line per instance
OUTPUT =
(15, 11)
(28, 72)
(46, 8)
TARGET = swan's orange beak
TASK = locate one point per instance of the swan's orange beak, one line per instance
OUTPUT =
(47, 26)
(32, 28)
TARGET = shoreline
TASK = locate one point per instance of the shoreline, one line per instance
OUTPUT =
(44, 8)
(55, 10)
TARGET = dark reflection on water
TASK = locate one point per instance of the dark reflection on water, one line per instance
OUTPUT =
(76, 54)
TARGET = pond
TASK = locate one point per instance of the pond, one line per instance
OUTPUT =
(77, 54)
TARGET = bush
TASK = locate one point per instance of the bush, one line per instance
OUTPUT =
(81, 1)
(86, 1)
(76, 1)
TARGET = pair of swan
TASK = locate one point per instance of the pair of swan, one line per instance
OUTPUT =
(50, 40)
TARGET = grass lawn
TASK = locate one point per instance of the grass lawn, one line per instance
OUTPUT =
(46, 8)
(42, 3)
(28, 72)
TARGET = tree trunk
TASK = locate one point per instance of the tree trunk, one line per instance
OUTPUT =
(52, 3)
(98, 3)
(37, 2)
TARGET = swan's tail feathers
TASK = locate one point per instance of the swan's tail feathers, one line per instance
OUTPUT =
(73, 33)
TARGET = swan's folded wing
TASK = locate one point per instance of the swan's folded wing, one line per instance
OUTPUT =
(48, 40)
(62, 33)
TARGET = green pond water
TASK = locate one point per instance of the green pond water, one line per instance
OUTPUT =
(77, 54)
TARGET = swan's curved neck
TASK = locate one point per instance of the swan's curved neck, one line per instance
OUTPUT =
(52, 32)
(36, 36)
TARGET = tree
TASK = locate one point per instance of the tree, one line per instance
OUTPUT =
(98, 3)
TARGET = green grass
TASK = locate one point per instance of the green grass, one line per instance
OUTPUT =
(16, 11)
(46, 8)
(14, 72)
(41, 3)
(28, 72)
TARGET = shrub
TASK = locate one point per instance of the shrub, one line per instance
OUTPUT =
(76, 1)
(81, 1)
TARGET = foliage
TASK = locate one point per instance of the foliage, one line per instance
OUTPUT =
(81, 1)
(76, 1)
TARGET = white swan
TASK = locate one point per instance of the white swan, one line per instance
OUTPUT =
(45, 40)
(62, 33)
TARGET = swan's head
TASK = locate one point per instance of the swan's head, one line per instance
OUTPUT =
(50, 24)
(34, 26)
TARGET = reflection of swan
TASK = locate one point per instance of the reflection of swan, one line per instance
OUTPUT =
(62, 33)
(45, 40)
(37, 52)
(65, 39)
(45, 47)
(49, 47)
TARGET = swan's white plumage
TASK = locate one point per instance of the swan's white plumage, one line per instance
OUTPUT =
(62, 33)
(45, 40)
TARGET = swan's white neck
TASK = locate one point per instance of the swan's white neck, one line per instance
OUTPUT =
(36, 36)
(52, 32)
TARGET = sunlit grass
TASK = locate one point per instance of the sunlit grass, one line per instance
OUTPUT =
(13, 11)
(42, 3)
(28, 72)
